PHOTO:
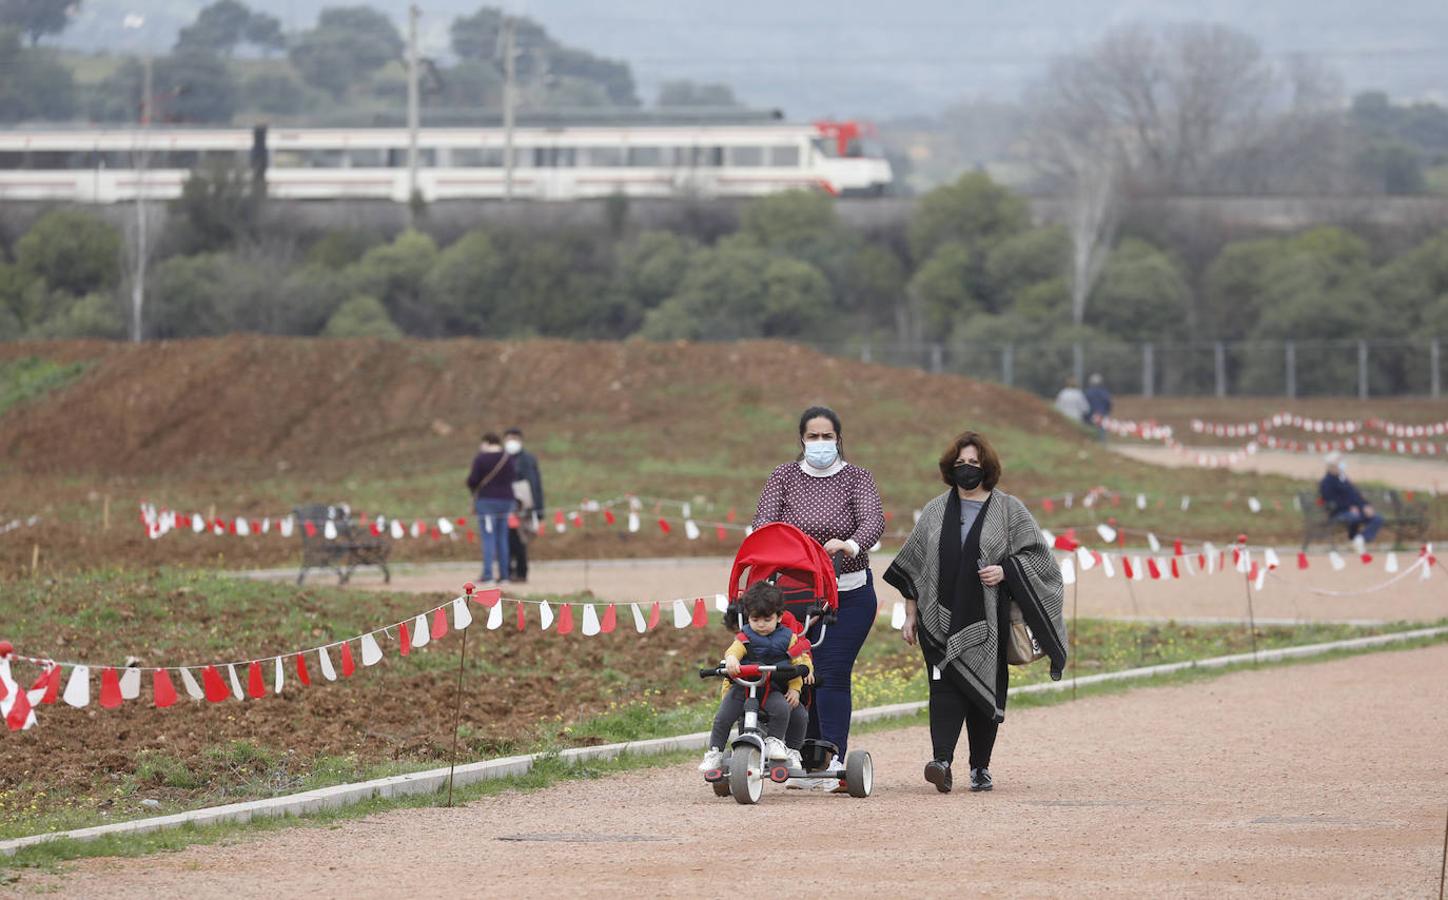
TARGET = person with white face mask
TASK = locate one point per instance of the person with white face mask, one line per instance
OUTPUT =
(837, 504)
(528, 491)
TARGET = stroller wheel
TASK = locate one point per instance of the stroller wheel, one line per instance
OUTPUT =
(746, 775)
(859, 773)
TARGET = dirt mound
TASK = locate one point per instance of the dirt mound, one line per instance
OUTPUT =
(317, 405)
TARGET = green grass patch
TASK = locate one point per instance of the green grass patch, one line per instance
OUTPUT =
(29, 378)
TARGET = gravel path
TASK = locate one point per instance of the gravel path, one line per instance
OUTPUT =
(1406, 473)
(1327, 780)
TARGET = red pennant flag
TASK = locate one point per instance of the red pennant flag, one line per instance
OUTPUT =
(4, 691)
(578, 520)
(1252, 572)
(110, 688)
(731, 515)
(1236, 556)
(664, 525)
(439, 624)
(1126, 568)
(1302, 560)
(1176, 571)
(701, 615)
(462, 521)
(522, 617)
(1152, 568)
(610, 620)
(488, 599)
(609, 517)
(255, 687)
(404, 639)
(1176, 548)
(52, 685)
(302, 675)
(310, 528)
(20, 709)
(565, 619)
(472, 538)
(435, 533)
(653, 617)
(231, 526)
(1202, 561)
(719, 533)
(558, 518)
(216, 689)
(1048, 504)
(1067, 542)
(164, 690)
(348, 666)
(376, 529)
(1367, 558)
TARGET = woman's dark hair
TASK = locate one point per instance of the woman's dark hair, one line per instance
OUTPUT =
(822, 412)
(990, 461)
(760, 599)
(491, 437)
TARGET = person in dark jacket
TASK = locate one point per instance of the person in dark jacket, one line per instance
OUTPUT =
(525, 468)
(491, 483)
(1345, 503)
(1100, 400)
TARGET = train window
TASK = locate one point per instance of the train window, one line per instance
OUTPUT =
(746, 156)
(477, 157)
(366, 158)
(646, 156)
(601, 157)
(784, 157)
(397, 157)
(12, 159)
(554, 157)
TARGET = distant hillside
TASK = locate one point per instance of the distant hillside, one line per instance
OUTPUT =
(816, 58)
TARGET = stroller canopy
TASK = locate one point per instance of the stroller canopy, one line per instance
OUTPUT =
(801, 564)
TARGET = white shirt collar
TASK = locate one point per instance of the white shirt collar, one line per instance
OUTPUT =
(835, 467)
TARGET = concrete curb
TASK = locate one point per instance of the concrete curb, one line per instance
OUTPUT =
(435, 780)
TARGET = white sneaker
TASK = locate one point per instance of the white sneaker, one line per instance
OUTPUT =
(794, 761)
(713, 759)
(829, 779)
(774, 749)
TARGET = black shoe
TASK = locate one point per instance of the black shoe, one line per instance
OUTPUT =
(937, 772)
(980, 780)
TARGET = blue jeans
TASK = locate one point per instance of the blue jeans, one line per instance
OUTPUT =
(493, 534)
(834, 663)
(1357, 522)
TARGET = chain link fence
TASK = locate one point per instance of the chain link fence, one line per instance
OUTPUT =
(1298, 368)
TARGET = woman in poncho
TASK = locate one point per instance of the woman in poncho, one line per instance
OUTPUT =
(973, 549)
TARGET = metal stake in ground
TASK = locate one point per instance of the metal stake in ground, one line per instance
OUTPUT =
(1443, 866)
(458, 705)
(1251, 618)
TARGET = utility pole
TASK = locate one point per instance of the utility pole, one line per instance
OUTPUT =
(510, 89)
(412, 111)
(138, 283)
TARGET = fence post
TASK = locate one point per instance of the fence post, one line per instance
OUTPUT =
(1435, 377)
(937, 358)
(1148, 369)
(1008, 365)
(1291, 349)
(1362, 370)
(1219, 358)
(1078, 363)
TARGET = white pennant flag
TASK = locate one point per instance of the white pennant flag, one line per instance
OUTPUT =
(198, 525)
(683, 618)
(325, 659)
(371, 653)
(1138, 571)
(397, 532)
(445, 525)
(1141, 501)
(721, 603)
(687, 511)
(1108, 534)
(545, 614)
(420, 631)
(1391, 563)
(287, 525)
(1269, 558)
(1261, 578)
(897, 617)
(417, 526)
(1244, 561)
(1427, 569)
(590, 621)
(130, 683)
(1338, 564)
(495, 616)
(691, 531)
(1106, 567)
(1254, 504)
(1048, 536)
(329, 530)
(243, 529)
(236, 690)
(1068, 571)
(188, 681)
(1153, 543)
(1186, 503)
(266, 525)
(279, 676)
(640, 625)
(1359, 545)
(462, 616)
(633, 522)
(1084, 559)
(77, 689)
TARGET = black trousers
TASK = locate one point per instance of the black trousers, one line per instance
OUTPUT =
(950, 709)
(517, 555)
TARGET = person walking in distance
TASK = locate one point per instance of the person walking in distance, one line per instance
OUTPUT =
(528, 491)
(490, 481)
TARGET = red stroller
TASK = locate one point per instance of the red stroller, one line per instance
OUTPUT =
(796, 564)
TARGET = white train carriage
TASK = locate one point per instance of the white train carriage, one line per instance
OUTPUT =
(565, 163)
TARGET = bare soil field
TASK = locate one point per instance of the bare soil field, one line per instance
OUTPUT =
(1318, 780)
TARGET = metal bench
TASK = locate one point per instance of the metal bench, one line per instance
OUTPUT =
(1407, 520)
(342, 547)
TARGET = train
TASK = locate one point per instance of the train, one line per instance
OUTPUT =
(560, 163)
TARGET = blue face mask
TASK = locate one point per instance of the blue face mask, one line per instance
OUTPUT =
(821, 454)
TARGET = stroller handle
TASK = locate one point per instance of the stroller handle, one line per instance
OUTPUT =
(754, 671)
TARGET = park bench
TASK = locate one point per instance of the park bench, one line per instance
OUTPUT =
(1407, 520)
(350, 547)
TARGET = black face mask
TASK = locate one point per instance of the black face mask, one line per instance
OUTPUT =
(968, 477)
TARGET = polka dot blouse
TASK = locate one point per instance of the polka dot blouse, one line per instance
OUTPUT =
(844, 506)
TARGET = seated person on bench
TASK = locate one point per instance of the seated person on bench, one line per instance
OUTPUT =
(1345, 502)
